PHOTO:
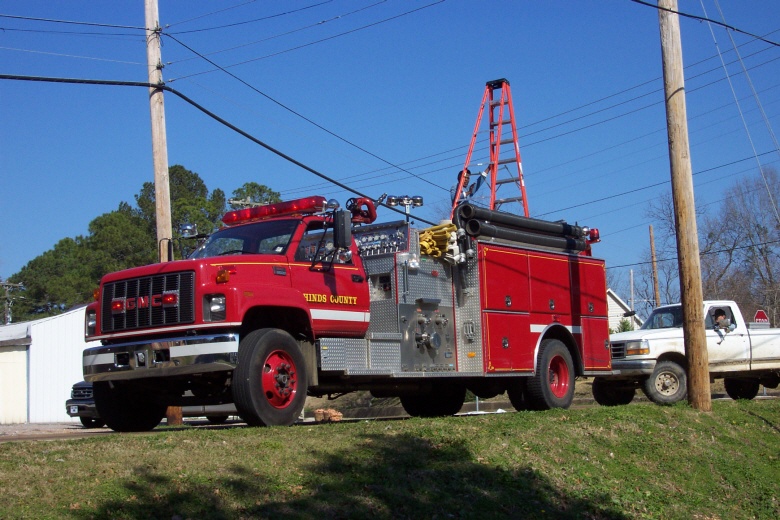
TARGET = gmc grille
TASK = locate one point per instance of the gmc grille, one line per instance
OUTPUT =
(618, 350)
(143, 316)
(81, 392)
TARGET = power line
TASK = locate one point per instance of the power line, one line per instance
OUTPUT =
(705, 19)
(249, 21)
(208, 113)
(210, 14)
(726, 250)
(285, 107)
(71, 22)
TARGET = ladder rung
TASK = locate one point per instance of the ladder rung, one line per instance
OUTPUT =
(507, 161)
(511, 199)
(505, 181)
(508, 141)
(501, 123)
(496, 103)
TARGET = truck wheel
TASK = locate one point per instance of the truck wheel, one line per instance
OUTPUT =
(443, 401)
(269, 382)
(667, 384)
(516, 390)
(741, 388)
(553, 386)
(612, 393)
(91, 422)
(125, 408)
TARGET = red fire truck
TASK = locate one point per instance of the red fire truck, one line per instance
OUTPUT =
(302, 298)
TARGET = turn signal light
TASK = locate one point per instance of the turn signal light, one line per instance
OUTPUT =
(223, 276)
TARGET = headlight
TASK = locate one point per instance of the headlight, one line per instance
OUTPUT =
(215, 307)
(637, 348)
(90, 323)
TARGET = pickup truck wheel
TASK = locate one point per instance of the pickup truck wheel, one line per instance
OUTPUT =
(91, 422)
(443, 401)
(668, 384)
(741, 388)
(125, 408)
(553, 386)
(269, 382)
(612, 393)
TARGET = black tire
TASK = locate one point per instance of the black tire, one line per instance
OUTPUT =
(442, 401)
(269, 382)
(668, 384)
(126, 408)
(612, 393)
(741, 388)
(516, 390)
(217, 419)
(92, 422)
(553, 385)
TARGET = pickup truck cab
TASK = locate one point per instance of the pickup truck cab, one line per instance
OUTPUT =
(745, 355)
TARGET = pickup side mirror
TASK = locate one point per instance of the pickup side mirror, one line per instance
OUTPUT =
(342, 229)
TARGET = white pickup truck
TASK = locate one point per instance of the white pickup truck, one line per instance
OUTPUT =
(653, 357)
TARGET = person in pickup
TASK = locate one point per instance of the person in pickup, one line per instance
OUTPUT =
(721, 321)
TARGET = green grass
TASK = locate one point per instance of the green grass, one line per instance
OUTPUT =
(637, 461)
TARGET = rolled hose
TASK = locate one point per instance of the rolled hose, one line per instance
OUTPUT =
(469, 212)
(476, 228)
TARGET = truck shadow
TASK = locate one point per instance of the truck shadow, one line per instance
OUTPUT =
(387, 476)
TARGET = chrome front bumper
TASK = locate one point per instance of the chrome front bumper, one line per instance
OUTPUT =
(630, 367)
(171, 357)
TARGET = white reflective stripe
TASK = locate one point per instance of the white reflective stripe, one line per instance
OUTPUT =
(200, 349)
(323, 314)
(98, 359)
(570, 328)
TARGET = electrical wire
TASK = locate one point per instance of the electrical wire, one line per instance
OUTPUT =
(310, 121)
(705, 19)
(71, 22)
(226, 26)
(206, 15)
(208, 113)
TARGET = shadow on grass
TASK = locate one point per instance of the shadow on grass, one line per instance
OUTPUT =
(395, 476)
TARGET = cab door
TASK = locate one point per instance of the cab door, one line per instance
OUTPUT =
(333, 285)
(727, 350)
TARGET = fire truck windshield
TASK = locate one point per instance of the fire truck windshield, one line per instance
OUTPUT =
(263, 238)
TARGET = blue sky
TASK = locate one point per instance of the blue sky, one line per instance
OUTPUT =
(400, 79)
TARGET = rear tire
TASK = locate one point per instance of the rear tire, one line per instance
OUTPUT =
(553, 386)
(126, 408)
(668, 384)
(442, 401)
(741, 388)
(612, 393)
(516, 391)
(270, 381)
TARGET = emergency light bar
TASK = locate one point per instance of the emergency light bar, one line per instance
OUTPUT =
(304, 206)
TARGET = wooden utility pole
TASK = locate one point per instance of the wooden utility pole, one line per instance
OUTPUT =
(162, 190)
(684, 209)
(656, 292)
(162, 193)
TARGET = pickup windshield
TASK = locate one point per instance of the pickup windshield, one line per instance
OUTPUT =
(664, 318)
(264, 238)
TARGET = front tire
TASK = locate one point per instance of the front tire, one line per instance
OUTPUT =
(270, 381)
(91, 422)
(126, 408)
(741, 388)
(668, 384)
(611, 393)
(553, 386)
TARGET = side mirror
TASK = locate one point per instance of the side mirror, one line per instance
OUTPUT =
(342, 229)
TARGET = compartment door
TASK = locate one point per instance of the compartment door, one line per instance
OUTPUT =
(507, 342)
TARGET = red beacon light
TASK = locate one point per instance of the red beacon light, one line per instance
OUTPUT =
(304, 206)
(593, 236)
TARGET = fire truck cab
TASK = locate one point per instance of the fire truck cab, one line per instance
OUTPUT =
(299, 298)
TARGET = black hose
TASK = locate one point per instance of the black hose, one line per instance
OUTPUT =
(477, 228)
(469, 211)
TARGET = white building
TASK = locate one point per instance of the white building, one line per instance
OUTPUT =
(39, 362)
(616, 308)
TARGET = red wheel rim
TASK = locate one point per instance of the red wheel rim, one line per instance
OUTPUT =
(559, 377)
(279, 379)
